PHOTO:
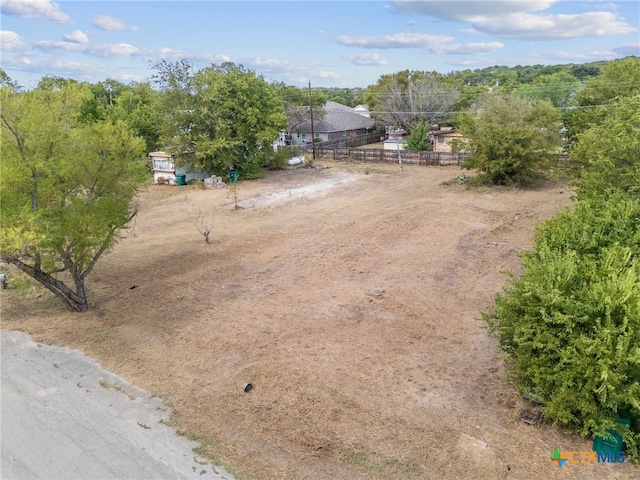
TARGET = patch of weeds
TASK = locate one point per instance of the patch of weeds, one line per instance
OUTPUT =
(383, 467)
(206, 448)
(309, 162)
(144, 425)
(461, 179)
(367, 171)
(115, 386)
(196, 182)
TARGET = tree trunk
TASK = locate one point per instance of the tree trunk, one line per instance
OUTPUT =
(74, 301)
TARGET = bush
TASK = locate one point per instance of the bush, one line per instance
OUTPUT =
(510, 140)
(570, 324)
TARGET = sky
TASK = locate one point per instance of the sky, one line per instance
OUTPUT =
(327, 43)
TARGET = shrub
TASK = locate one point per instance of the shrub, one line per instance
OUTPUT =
(570, 324)
(510, 140)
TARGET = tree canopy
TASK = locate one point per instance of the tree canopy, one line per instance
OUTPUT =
(66, 186)
(608, 154)
(220, 117)
(406, 98)
(618, 79)
(510, 139)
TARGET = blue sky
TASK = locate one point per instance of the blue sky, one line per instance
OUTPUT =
(328, 43)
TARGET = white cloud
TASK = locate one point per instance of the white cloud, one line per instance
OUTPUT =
(73, 67)
(49, 46)
(397, 40)
(105, 22)
(171, 54)
(11, 41)
(272, 65)
(471, 48)
(365, 59)
(96, 49)
(113, 50)
(34, 9)
(327, 75)
(121, 50)
(439, 44)
(553, 27)
(463, 10)
(514, 18)
(77, 36)
(628, 49)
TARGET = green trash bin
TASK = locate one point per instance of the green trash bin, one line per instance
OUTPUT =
(233, 175)
(610, 446)
(182, 179)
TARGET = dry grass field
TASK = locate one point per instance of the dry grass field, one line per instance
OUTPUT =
(349, 297)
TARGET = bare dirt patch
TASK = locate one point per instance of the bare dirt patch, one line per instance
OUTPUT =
(349, 297)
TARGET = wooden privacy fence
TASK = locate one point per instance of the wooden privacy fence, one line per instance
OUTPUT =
(410, 157)
(388, 156)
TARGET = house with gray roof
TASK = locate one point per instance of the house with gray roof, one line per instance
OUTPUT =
(339, 122)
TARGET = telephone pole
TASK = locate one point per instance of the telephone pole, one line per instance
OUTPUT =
(313, 137)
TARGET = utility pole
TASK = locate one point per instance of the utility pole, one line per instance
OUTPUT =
(313, 136)
(398, 147)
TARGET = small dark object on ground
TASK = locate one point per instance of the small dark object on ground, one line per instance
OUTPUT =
(248, 387)
(132, 287)
(531, 417)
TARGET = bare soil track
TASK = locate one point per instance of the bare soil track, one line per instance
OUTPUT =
(349, 296)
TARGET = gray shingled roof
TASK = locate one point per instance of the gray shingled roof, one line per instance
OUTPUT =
(337, 118)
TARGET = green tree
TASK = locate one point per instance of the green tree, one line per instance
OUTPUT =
(558, 88)
(419, 138)
(8, 82)
(510, 139)
(570, 324)
(618, 79)
(220, 117)
(66, 186)
(608, 154)
(296, 103)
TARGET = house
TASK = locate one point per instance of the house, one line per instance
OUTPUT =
(395, 139)
(361, 110)
(339, 122)
(441, 139)
(166, 172)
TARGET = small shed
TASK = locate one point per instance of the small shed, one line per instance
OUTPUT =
(441, 139)
(166, 172)
(395, 139)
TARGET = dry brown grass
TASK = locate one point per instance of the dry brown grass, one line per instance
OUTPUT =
(349, 383)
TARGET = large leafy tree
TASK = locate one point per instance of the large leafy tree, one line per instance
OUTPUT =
(559, 88)
(66, 186)
(510, 139)
(608, 154)
(618, 79)
(570, 324)
(136, 104)
(220, 117)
